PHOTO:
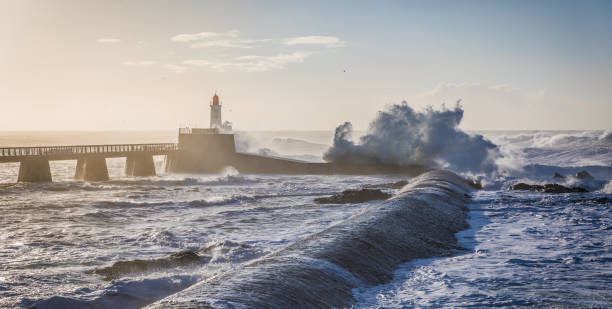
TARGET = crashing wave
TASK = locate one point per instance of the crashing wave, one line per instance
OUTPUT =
(321, 270)
(402, 136)
(607, 188)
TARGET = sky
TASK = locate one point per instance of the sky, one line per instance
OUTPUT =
(303, 65)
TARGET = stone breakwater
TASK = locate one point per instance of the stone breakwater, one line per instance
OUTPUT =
(321, 270)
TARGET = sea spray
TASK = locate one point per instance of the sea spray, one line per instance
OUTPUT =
(608, 188)
(400, 135)
(606, 136)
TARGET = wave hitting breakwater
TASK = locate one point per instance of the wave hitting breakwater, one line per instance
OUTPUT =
(321, 270)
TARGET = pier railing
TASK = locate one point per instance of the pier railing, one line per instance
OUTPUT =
(198, 131)
(86, 149)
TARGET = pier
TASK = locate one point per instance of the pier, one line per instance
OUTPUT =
(91, 159)
(199, 151)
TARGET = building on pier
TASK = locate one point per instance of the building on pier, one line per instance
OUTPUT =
(215, 113)
(216, 121)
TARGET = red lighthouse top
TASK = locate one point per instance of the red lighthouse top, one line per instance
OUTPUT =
(215, 100)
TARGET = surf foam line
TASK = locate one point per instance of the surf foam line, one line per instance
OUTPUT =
(321, 270)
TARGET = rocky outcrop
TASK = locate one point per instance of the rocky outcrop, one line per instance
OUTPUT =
(594, 200)
(354, 196)
(122, 268)
(547, 188)
(584, 175)
(558, 176)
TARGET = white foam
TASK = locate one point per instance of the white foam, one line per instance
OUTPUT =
(608, 188)
(420, 283)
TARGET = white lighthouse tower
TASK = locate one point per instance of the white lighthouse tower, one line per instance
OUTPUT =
(215, 113)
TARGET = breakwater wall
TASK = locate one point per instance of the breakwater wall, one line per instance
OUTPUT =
(211, 153)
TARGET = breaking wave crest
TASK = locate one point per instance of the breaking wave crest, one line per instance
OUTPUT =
(608, 188)
(321, 270)
(402, 136)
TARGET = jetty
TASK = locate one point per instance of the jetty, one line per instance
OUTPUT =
(199, 150)
(90, 159)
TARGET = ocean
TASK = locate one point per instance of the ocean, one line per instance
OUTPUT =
(521, 248)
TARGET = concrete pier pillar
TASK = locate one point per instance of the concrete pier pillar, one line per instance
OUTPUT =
(139, 165)
(78, 174)
(170, 163)
(91, 168)
(34, 170)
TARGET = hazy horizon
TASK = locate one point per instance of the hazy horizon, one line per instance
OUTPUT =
(154, 65)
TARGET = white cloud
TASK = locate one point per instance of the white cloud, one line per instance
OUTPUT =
(329, 41)
(174, 68)
(249, 63)
(108, 40)
(139, 63)
(253, 63)
(226, 43)
(228, 39)
(188, 37)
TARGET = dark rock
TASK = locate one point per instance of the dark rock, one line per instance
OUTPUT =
(584, 175)
(556, 188)
(557, 175)
(354, 196)
(226, 244)
(597, 200)
(121, 268)
(392, 185)
(524, 186)
(475, 185)
(548, 188)
(184, 257)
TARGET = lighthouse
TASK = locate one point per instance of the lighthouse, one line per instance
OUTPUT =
(215, 113)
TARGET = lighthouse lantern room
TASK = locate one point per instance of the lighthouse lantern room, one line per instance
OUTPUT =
(215, 113)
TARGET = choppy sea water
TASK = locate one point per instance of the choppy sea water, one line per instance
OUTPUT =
(523, 248)
(54, 234)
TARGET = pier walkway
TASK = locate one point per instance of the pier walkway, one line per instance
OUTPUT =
(91, 163)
